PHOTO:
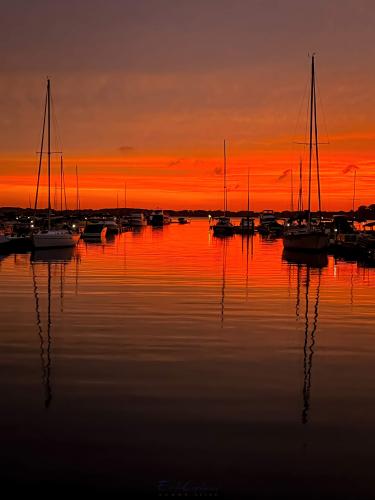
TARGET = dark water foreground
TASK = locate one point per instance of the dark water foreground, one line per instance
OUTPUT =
(170, 362)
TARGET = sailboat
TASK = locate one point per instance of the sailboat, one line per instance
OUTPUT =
(50, 238)
(224, 227)
(309, 237)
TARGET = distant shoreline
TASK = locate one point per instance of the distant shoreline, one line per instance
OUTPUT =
(362, 212)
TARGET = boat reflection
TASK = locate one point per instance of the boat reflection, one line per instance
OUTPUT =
(48, 269)
(137, 230)
(223, 279)
(44, 334)
(53, 255)
(312, 260)
(248, 243)
(307, 290)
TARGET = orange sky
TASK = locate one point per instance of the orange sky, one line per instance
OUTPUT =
(146, 97)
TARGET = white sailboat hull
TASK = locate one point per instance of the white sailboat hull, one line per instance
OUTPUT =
(313, 241)
(55, 239)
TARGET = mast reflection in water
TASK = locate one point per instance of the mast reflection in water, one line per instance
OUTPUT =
(52, 260)
(309, 271)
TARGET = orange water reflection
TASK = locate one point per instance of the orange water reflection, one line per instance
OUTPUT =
(172, 350)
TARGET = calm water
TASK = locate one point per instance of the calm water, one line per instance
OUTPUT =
(168, 357)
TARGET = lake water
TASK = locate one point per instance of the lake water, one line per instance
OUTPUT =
(168, 361)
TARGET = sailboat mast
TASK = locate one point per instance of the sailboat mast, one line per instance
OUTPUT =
(300, 199)
(55, 197)
(49, 150)
(61, 184)
(125, 196)
(248, 194)
(225, 180)
(77, 189)
(354, 182)
(291, 192)
(311, 137)
(40, 155)
(316, 145)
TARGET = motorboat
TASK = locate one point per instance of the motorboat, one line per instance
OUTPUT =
(159, 218)
(224, 227)
(183, 220)
(94, 231)
(246, 226)
(267, 216)
(112, 226)
(137, 220)
(366, 241)
(269, 224)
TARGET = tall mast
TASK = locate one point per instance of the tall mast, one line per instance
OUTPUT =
(248, 193)
(354, 182)
(40, 155)
(61, 183)
(291, 191)
(49, 150)
(316, 145)
(77, 190)
(300, 199)
(311, 137)
(125, 195)
(225, 181)
(55, 205)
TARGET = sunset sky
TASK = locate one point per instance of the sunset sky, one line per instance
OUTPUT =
(145, 91)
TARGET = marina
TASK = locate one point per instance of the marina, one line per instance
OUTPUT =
(187, 249)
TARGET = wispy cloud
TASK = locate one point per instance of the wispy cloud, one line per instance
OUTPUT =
(350, 168)
(284, 174)
(125, 149)
(175, 163)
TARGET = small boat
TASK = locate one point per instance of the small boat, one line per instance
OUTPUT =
(267, 216)
(159, 218)
(312, 236)
(112, 227)
(183, 220)
(246, 226)
(137, 220)
(366, 241)
(268, 223)
(224, 226)
(343, 236)
(50, 238)
(94, 231)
